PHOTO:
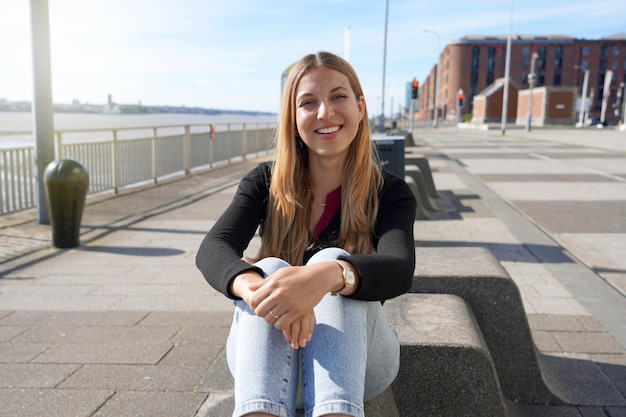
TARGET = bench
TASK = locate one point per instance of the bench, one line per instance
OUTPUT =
(476, 276)
(445, 366)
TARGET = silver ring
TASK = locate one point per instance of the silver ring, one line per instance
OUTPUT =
(274, 315)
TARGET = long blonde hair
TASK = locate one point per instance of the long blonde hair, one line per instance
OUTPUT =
(286, 234)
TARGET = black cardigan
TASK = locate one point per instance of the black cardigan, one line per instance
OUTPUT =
(383, 275)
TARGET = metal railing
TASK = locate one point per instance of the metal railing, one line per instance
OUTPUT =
(127, 157)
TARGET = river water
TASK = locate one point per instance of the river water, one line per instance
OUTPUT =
(23, 121)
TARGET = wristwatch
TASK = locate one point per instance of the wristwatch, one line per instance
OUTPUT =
(348, 278)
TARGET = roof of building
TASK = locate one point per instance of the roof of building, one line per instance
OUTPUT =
(473, 39)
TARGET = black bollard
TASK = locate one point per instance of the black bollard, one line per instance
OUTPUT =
(67, 182)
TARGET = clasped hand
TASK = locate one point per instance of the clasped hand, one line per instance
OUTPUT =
(286, 300)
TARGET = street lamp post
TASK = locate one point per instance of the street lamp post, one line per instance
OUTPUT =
(583, 98)
(436, 109)
(531, 83)
(507, 72)
(382, 113)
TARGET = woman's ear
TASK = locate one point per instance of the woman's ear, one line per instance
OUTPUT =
(361, 106)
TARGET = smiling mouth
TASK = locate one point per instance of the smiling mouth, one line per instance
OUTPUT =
(328, 130)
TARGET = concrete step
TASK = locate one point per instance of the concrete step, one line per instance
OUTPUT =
(445, 366)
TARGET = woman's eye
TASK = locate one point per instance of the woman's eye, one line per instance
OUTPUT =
(340, 96)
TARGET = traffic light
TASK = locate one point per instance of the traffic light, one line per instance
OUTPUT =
(461, 97)
(415, 89)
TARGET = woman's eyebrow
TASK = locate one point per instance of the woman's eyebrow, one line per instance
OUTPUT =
(307, 94)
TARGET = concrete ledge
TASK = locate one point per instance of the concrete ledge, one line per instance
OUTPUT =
(424, 166)
(445, 365)
(475, 275)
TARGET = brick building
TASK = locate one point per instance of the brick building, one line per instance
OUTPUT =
(473, 63)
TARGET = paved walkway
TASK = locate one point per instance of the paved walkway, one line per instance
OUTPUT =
(125, 325)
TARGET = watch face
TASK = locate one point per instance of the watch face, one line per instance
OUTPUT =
(350, 278)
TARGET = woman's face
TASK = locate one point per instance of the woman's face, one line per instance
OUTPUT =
(327, 113)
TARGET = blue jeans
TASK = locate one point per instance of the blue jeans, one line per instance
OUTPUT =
(352, 357)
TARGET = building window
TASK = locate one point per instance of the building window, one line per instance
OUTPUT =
(526, 50)
(543, 51)
(475, 63)
(557, 79)
(558, 63)
(491, 63)
(585, 50)
(541, 79)
(559, 50)
(490, 78)
(603, 65)
(474, 78)
(615, 65)
(524, 78)
(492, 51)
(475, 50)
(541, 63)
(605, 50)
(525, 64)
(585, 64)
(625, 67)
(616, 50)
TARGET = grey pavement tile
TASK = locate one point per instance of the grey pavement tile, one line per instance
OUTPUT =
(614, 367)
(545, 177)
(218, 377)
(592, 412)
(545, 342)
(617, 280)
(616, 411)
(217, 404)
(556, 305)
(59, 302)
(192, 354)
(153, 404)
(195, 302)
(588, 342)
(21, 352)
(10, 332)
(581, 382)
(591, 324)
(187, 318)
(521, 410)
(577, 216)
(147, 290)
(100, 334)
(549, 322)
(34, 375)
(73, 318)
(202, 335)
(136, 378)
(98, 278)
(105, 353)
(51, 403)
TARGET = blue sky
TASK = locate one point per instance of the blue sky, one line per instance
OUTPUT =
(230, 54)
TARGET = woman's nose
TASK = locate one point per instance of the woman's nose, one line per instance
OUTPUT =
(325, 110)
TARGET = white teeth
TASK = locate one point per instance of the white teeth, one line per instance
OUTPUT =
(327, 130)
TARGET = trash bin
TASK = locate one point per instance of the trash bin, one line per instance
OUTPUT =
(66, 182)
(391, 153)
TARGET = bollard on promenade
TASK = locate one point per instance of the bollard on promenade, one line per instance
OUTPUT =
(66, 182)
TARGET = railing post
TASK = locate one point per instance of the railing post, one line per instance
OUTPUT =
(211, 140)
(59, 146)
(187, 150)
(115, 164)
(244, 145)
(154, 155)
(230, 146)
